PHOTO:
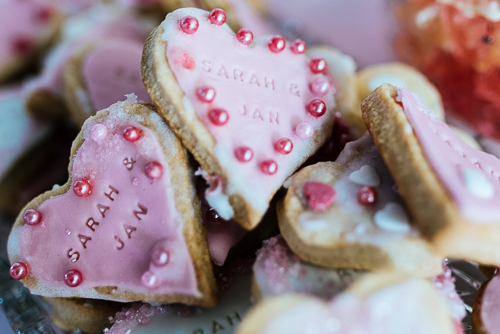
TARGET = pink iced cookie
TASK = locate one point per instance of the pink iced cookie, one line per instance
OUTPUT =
(45, 92)
(348, 214)
(486, 307)
(245, 109)
(125, 227)
(277, 270)
(451, 190)
(18, 130)
(101, 74)
(377, 304)
(27, 28)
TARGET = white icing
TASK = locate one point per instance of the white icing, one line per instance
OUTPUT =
(490, 9)
(312, 224)
(408, 128)
(477, 183)
(426, 14)
(392, 218)
(366, 176)
(380, 79)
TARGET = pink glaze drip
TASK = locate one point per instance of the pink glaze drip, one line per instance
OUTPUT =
(110, 235)
(451, 159)
(264, 99)
(278, 270)
(490, 307)
(20, 23)
(112, 70)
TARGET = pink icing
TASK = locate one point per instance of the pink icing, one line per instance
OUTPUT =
(265, 95)
(472, 177)
(24, 23)
(112, 70)
(490, 306)
(111, 235)
(278, 270)
(18, 130)
(321, 195)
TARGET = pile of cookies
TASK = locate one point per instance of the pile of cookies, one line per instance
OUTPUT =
(200, 137)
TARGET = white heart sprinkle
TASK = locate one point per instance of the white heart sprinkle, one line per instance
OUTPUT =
(366, 176)
(477, 183)
(392, 218)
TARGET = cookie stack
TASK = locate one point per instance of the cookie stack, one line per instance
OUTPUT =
(198, 137)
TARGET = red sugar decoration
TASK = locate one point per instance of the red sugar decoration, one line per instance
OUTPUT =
(154, 170)
(189, 24)
(367, 195)
(269, 167)
(132, 134)
(245, 36)
(243, 154)
(277, 44)
(32, 217)
(205, 94)
(82, 188)
(283, 146)
(218, 116)
(317, 65)
(18, 270)
(217, 16)
(321, 195)
(316, 108)
(23, 45)
(298, 46)
(73, 278)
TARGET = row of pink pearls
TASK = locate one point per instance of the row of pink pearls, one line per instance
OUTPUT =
(277, 44)
(72, 278)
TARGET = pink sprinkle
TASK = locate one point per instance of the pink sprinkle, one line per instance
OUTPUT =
(73, 278)
(187, 62)
(217, 16)
(298, 46)
(320, 87)
(316, 108)
(283, 146)
(205, 94)
(160, 256)
(367, 195)
(269, 167)
(18, 270)
(98, 132)
(32, 217)
(218, 116)
(317, 65)
(132, 134)
(82, 188)
(321, 195)
(150, 280)
(304, 130)
(277, 44)
(154, 170)
(243, 154)
(189, 24)
(245, 36)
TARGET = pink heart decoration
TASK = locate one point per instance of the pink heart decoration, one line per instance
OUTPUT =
(321, 195)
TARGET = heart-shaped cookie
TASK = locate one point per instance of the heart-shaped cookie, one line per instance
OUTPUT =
(250, 112)
(364, 226)
(451, 190)
(101, 74)
(27, 28)
(127, 225)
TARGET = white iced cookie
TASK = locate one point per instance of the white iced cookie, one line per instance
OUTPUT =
(348, 214)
